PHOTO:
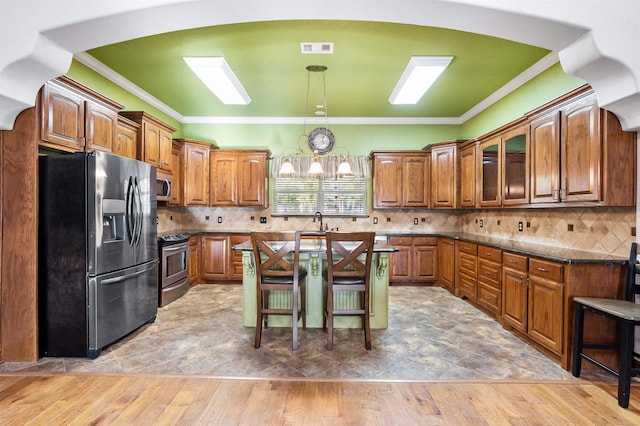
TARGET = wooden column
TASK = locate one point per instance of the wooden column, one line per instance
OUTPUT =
(19, 251)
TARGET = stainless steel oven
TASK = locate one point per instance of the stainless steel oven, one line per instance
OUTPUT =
(174, 267)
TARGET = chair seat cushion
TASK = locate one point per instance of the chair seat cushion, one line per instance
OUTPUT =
(619, 308)
(288, 279)
(344, 280)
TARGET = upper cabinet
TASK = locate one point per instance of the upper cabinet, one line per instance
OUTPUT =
(127, 139)
(238, 178)
(155, 139)
(75, 118)
(504, 167)
(194, 160)
(401, 179)
(444, 174)
(468, 174)
(579, 154)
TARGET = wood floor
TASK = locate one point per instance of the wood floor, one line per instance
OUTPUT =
(90, 398)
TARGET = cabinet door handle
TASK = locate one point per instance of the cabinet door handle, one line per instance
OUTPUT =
(542, 269)
(512, 261)
(488, 273)
(487, 297)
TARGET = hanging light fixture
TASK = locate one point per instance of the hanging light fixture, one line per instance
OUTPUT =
(315, 168)
(287, 168)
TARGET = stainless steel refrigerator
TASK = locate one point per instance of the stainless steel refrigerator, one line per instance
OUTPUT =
(98, 251)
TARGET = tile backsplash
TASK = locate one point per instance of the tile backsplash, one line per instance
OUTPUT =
(603, 230)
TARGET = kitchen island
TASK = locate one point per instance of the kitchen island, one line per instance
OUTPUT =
(313, 259)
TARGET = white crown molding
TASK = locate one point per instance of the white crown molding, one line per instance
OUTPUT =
(108, 73)
(512, 85)
(522, 78)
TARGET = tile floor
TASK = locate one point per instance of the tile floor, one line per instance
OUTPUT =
(432, 335)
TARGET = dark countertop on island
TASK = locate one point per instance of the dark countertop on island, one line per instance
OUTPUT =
(558, 254)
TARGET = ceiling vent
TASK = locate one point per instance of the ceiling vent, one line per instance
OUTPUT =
(316, 48)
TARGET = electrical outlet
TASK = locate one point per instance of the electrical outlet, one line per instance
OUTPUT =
(528, 224)
(388, 219)
(263, 219)
(415, 220)
(219, 219)
(570, 227)
(481, 223)
(520, 227)
(375, 220)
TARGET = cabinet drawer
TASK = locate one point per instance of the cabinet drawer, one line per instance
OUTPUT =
(425, 241)
(545, 269)
(515, 261)
(490, 298)
(490, 253)
(489, 272)
(467, 264)
(400, 241)
(467, 286)
(466, 247)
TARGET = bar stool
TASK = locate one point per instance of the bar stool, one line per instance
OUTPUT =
(277, 259)
(348, 272)
(626, 314)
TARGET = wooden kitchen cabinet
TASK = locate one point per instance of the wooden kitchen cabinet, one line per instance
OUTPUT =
(401, 179)
(215, 257)
(503, 167)
(415, 261)
(444, 174)
(219, 263)
(533, 298)
(238, 178)
(468, 175)
(177, 189)
(466, 270)
(155, 139)
(194, 182)
(127, 138)
(446, 263)
(75, 118)
(489, 290)
(579, 154)
(236, 267)
(194, 259)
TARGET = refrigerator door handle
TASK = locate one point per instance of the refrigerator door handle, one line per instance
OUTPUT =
(121, 278)
(130, 219)
(139, 212)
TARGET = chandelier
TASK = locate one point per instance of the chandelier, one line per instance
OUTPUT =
(321, 140)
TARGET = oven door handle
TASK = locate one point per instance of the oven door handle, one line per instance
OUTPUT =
(174, 248)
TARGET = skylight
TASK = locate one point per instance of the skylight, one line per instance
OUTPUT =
(218, 76)
(421, 72)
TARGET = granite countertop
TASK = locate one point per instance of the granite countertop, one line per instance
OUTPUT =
(558, 254)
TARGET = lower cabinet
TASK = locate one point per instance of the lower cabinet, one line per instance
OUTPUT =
(490, 279)
(533, 295)
(194, 259)
(466, 270)
(219, 262)
(415, 262)
(446, 263)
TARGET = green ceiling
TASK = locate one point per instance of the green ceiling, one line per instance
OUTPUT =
(368, 59)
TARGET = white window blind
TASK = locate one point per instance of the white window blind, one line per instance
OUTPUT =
(333, 197)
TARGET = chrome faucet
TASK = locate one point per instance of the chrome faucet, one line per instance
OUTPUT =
(318, 214)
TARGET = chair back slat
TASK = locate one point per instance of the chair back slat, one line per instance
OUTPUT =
(633, 271)
(345, 251)
(270, 251)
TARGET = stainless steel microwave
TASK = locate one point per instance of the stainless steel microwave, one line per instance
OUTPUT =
(164, 186)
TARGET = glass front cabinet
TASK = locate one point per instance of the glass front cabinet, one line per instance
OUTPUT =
(504, 168)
